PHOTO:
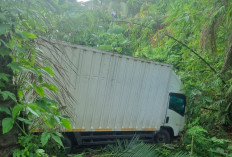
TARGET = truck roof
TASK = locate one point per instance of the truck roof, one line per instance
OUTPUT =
(85, 48)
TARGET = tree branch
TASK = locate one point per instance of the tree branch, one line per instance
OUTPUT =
(211, 109)
(193, 51)
(183, 44)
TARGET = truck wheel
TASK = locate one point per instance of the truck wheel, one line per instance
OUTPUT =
(67, 144)
(162, 136)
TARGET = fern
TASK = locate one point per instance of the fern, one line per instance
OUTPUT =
(136, 148)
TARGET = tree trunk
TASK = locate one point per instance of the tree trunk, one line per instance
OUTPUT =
(227, 75)
(228, 60)
(8, 140)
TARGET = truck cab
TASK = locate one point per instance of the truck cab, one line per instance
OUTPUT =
(175, 113)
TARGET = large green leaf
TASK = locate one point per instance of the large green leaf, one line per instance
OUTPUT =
(48, 70)
(66, 123)
(50, 86)
(34, 109)
(20, 94)
(4, 77)
(44, 138)
(7, 125)
(39, 90)
(49, 121)
(58, 134)
(57, 139)
(43, 106)
(48, 101)
(29, 35)
(16, 110)
(15, 66)
(5, 109)
(46, 104)
(26, 121)
(6, 94)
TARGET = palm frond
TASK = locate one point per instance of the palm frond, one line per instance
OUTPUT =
(141, 149)
(136, 148)
(53, 55)
(132, 148)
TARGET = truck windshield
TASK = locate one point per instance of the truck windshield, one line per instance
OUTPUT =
(177, 103)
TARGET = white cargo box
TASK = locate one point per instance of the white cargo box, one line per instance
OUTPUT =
(111, 92)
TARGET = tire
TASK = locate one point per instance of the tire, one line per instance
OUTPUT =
(67, 144)
(162, 136)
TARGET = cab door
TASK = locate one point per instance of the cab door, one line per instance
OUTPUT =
(175, 113)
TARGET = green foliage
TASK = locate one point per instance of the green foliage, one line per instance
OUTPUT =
(136, 148)
(204, 26)
(31, 145)
(5, 109)
(7, 124)
(17, 31)
(39, 146)
(204, 88)
(6, 94)
(45, 137)
(198, 140)
(4, 77)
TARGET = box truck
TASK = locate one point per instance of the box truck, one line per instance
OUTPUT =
(115, 96)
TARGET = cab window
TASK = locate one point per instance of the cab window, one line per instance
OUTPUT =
(177, 103)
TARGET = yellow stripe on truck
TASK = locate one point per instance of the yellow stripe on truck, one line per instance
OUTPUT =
(128, 129)
(105, 129)
(108, 129)
(76, 130)
(148, 129)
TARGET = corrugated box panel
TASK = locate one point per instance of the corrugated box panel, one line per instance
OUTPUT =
(111, 91)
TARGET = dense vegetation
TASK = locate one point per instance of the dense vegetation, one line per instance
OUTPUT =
(194, 36)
